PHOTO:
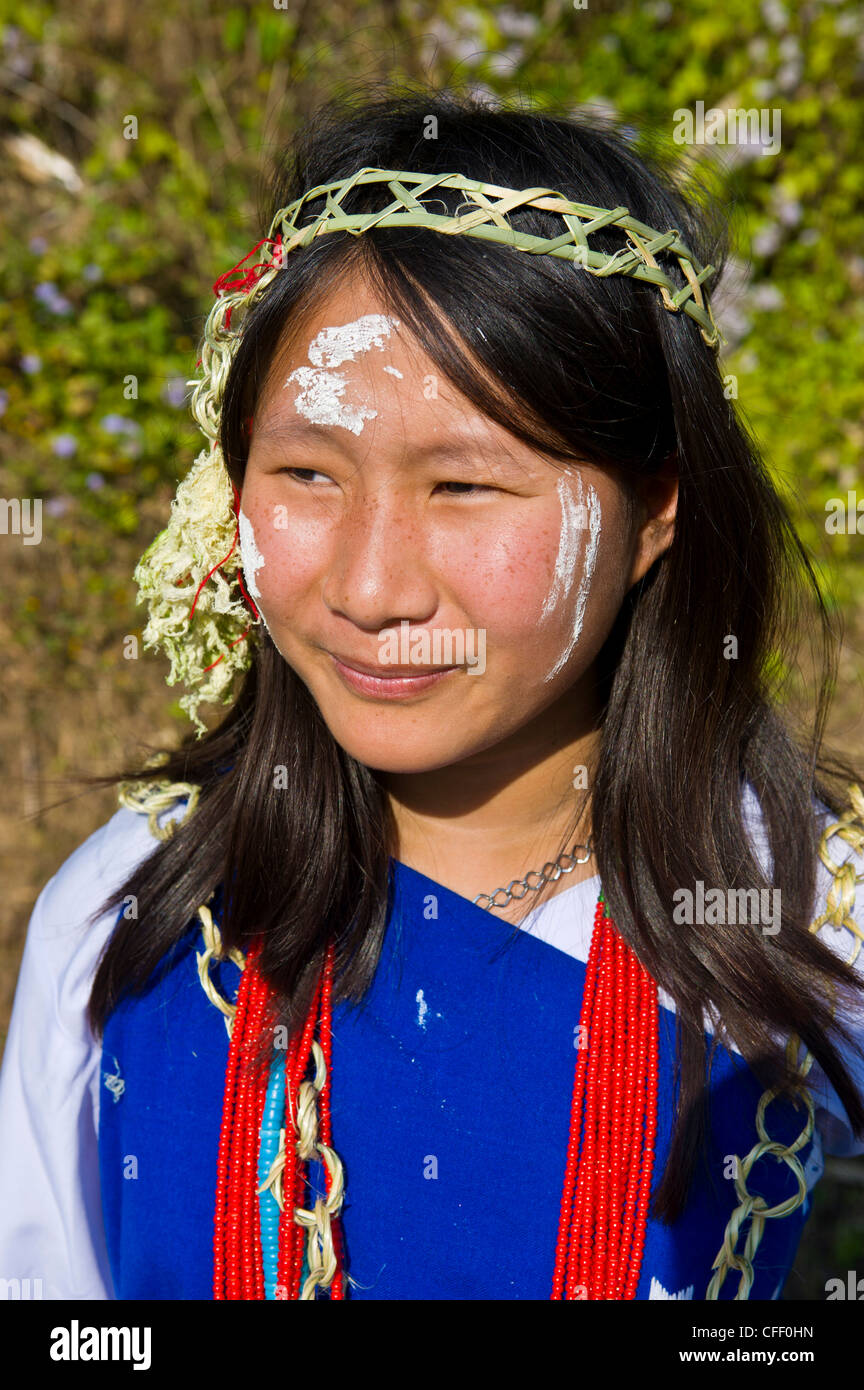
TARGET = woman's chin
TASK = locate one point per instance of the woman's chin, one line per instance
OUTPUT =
(408, 756)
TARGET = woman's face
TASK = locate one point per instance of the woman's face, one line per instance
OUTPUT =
(437, 584)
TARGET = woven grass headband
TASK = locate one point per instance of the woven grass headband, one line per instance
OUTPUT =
(190, 576)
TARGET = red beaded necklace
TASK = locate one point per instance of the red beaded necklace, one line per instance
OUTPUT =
(610, 1154)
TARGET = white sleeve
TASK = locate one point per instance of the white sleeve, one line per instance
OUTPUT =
(831, 1118)
(51, 1228)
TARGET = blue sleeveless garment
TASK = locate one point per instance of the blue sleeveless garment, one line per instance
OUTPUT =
(452, 1085)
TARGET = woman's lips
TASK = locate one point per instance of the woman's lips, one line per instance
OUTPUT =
(388, 683)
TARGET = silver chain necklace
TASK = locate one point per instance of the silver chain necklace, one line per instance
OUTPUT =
(550, 873)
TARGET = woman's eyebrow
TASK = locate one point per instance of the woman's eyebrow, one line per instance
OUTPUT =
(455, 447)
(296, 431)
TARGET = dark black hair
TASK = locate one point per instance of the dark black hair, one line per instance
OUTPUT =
(578, 367)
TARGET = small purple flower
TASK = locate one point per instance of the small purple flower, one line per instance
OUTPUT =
(30, 363)
(119, 424)
(38, 245)
(174, 392)
(113, 424)
(92, 273)
(57, 506)
(95, 481)
(4, 402)
(48, 294)
(64, 446)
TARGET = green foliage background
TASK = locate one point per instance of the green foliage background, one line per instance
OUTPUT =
(128, 235)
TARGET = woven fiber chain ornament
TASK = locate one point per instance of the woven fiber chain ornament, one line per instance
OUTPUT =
(189, 573)
(321, 1257)
(839, 903)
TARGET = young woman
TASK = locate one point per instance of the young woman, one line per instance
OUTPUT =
(497, 943)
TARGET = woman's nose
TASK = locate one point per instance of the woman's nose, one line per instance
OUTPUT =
(378, 571)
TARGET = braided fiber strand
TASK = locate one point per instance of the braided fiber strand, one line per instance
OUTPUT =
(213, 951)
(290, 1234)
(320, 1247)
(286, 1175)
(151, 798)
(840, 901)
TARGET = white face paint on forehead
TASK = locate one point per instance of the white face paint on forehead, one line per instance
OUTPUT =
(577, 517)
(322, 390)
(333, 346)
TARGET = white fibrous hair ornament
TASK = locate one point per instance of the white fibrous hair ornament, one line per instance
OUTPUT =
(188, 575)
(209, 651)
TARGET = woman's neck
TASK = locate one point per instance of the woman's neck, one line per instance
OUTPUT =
(478, 824)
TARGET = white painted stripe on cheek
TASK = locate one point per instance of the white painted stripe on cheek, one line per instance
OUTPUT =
(251, 559)
(594, 520)
(250, 555)
(568, 547)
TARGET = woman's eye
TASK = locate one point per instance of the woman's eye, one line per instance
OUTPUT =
(307, 474)
(452, 488)
(465, 489)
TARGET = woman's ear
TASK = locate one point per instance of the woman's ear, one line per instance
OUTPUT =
(656, 509)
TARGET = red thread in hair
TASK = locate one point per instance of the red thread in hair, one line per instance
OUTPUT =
(245, 279)
(212, 572)
(222, 657)
(235, 508)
